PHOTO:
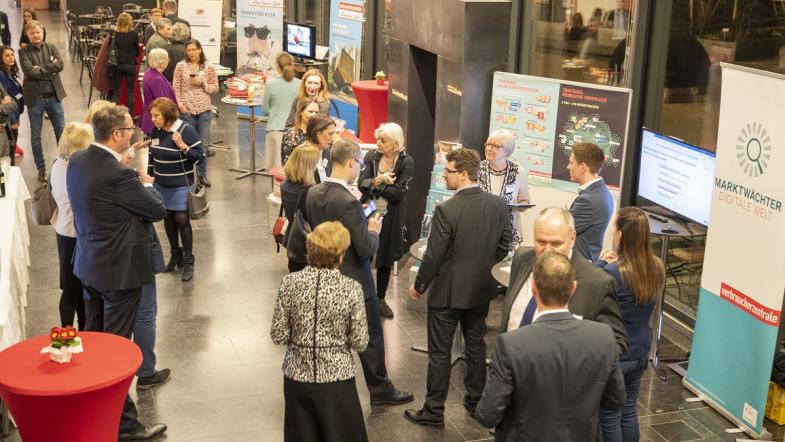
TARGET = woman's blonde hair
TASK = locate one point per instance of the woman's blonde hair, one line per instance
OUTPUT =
(301, 164)
(124, 22)
(327, 244)
(180, 32)
(76, 136)
(95, 107)
(392, 130)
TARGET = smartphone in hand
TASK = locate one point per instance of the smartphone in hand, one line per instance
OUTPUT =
(370, 209)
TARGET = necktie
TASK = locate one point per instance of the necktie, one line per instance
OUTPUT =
(528, 314)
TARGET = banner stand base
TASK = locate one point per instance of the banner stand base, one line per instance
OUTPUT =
(764, 435)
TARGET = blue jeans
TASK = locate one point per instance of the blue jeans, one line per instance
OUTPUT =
(201, 122)
(622, 425)
(54, 109)
(144, 329)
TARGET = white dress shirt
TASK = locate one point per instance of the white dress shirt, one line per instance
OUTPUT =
(538, 315)
(522, 300)
(585, 186)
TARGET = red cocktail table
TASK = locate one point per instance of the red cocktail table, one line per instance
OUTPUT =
(78, 401)
(372, 106)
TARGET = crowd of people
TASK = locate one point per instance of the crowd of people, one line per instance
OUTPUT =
(581, 311)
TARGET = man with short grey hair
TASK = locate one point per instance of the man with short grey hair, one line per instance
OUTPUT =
(42, 89)
(594, 299)
(163, 32)
(110, 204)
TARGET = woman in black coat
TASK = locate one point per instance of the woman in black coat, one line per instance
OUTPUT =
(385, 180)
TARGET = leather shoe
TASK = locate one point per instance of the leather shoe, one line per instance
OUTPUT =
(422, 417)
(395, 397)
(385, 309)
(160, 377)
(472, 409)
(144, 432)
(204, 181)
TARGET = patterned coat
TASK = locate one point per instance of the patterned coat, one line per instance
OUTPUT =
(320, 316)
(515, 190)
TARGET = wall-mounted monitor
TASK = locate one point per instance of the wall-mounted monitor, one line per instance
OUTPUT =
(300, 40)
(676, 175)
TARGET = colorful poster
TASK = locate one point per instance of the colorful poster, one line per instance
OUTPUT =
(549, 116)
(259, 35)
(742, 283)
(347, 18)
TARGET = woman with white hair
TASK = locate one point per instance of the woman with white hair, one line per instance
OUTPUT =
(154, 85)
(384, 180)
(504, 177)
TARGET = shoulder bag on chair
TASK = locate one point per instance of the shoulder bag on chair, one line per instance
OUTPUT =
(43, 205)
(198, 206)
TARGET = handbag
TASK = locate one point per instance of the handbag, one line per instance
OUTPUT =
(111, 54)
(198, 207)
(43, 205)
(279, 230)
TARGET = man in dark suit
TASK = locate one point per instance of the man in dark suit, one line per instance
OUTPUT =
(170, 12)
(42, 89)
(470, 233)
(594, 299)
(593, 207)
(333, 201)
(547, 380)
(110, 201)
(5, 29)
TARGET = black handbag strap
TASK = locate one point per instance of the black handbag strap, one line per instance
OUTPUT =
(182, 165)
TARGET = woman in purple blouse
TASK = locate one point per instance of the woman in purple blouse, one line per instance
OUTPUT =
(154, 85)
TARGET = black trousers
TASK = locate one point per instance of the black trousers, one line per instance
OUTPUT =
(296, 266)
(442, 324)
(324, 412)
(72, 296)
(372, 359)
(114, 311)
(127, 73)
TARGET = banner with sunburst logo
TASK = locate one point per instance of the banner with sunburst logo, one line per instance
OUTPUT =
(743, 281)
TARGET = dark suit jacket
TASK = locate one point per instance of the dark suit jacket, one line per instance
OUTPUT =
(175, 19)
(332, 202)
(5, 29)
(48, 70)
(548, 379)
(470, 233)
(110, 204)
(594, 299)
(592, 210)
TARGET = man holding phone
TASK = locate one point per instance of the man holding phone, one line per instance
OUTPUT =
(333, 201)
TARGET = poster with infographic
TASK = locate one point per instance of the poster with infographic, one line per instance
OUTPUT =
(549, 116)
(347, 18)
(205, 19)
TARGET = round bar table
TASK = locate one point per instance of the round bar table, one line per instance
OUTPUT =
(372, 106)
(77, 401)
(251, 135)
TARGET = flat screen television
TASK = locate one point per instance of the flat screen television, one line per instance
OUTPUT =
(300, 40)
(676, 175)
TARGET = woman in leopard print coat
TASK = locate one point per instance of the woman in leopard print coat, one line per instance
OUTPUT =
(320, 316)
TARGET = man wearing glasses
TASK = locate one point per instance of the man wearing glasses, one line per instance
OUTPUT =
(110, 202)
(470, 233)
(333, 201)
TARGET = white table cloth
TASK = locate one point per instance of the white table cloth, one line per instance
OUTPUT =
(14, 259)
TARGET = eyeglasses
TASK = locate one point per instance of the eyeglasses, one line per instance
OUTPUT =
(493, 146)
(261, 33)
(451, 171)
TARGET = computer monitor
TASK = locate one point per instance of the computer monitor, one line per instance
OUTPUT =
(676, 175)
(300, 40)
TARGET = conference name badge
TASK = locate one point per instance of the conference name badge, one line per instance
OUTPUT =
(18, 96)
(510, 188)
(155, 141)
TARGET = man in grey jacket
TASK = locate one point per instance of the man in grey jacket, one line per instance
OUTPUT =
(43, 91)
(548, 379)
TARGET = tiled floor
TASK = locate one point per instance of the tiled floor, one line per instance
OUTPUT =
(213, 332)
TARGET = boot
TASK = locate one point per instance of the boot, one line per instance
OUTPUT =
(176, 260)
(188, 267)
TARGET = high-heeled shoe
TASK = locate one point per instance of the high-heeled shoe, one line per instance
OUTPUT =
(176, 260)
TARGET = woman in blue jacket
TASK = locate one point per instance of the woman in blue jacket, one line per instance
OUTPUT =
(9, 79)
(639, 277)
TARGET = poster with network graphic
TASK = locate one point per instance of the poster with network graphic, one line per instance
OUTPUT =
(549, 116)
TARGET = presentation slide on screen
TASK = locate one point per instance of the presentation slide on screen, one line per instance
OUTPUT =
(677, 176)
(298, 40)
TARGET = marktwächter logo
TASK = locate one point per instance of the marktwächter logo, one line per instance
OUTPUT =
(753, 149)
